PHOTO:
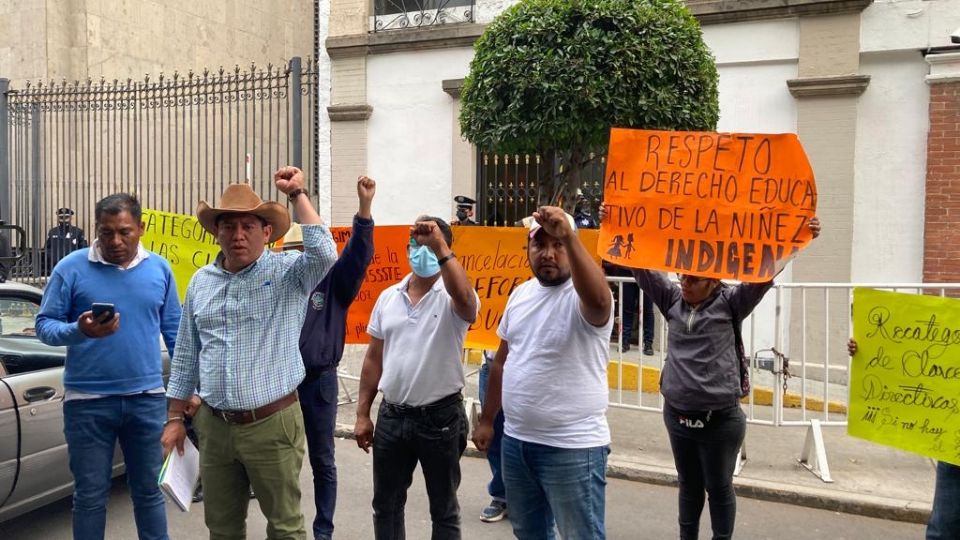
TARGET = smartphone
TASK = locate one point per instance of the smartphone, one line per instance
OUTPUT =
(100, 309)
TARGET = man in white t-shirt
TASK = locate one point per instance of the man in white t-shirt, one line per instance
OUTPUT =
(552, 368)
(417, 330)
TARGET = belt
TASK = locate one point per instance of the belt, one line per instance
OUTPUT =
(246, 417)
(413, 410)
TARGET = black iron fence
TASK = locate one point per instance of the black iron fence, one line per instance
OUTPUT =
(404, 14)
(510, 187)
(172, 140)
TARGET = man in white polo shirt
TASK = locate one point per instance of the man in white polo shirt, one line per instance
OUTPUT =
(416, 332)
(552, 368)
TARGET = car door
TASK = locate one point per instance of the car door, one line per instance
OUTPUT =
(33, 454)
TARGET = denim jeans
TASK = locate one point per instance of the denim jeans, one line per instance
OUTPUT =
(436, 438)
(92, 428)
(705, 458)
(495, 487)
(545, 483)
(318, 399)
(945, 519)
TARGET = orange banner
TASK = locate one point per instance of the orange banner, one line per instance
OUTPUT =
(495, 259)
(724, 205)
(388, 266)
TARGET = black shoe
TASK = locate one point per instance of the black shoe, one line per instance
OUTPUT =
(625, 346)
(648, 349)
(198, 494)
(495, 511)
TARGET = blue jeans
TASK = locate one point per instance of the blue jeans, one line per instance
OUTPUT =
(945, 518)
(92, 428)
(546, 483)
(318, 400)
(495, 487)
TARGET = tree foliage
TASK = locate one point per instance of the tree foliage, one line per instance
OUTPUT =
(553, 76)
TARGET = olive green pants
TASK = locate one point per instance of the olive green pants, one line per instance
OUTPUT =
(266, 454)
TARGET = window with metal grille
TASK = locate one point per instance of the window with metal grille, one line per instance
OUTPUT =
(509, 186)
(401, 14)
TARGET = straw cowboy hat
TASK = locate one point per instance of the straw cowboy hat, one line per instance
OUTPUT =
(240, 199)
(293, 238)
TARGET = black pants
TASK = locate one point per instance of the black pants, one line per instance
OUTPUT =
(435, 436)
(705, 446)
(631, 294)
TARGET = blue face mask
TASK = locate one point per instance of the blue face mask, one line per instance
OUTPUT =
(423, 261)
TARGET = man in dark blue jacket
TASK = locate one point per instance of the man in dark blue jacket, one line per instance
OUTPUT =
(321, 346)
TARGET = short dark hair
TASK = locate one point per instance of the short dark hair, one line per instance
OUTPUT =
(117, 203)
(444, 228)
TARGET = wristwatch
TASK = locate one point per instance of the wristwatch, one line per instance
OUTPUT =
(442, 260)
(292, 196)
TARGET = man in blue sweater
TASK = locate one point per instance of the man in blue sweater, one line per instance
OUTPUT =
(321, 345)
(114, 376)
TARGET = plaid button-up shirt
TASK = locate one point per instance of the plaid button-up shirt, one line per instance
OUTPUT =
(239, 334)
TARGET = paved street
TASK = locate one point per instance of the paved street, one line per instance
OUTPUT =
(634, 511)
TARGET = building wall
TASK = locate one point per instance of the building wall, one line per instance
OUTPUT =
(23, 40)
(896, 25)
(941, 254)
(410, 131)
(77, 39)
(890, 170)
(324, 162)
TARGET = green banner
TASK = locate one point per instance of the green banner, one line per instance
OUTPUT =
(905, 377)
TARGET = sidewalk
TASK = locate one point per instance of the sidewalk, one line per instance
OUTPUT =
(868, 479)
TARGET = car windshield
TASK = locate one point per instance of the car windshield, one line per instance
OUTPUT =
(17, 317)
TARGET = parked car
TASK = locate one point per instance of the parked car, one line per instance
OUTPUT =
(34, 470)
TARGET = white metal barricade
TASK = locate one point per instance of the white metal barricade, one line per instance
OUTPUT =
(799, 369)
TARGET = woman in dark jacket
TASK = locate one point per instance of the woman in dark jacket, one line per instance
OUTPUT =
(701, 388)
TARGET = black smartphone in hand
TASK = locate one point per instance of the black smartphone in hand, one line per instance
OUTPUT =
(99, 309)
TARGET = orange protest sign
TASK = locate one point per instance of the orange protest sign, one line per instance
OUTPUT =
(495, 259)
(388, 266)
(724, 205)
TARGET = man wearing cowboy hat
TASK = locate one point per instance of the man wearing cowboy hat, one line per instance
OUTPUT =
(241, 324)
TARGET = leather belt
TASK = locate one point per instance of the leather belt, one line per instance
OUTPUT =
(246, 417)
(421, 410)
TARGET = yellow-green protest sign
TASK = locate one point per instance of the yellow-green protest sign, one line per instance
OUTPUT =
(182, 241)
(905, 377)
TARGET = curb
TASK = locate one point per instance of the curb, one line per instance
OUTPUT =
(824, 499)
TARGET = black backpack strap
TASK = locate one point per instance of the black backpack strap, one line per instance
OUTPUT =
(743, 364)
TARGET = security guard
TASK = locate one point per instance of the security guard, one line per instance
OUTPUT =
(63, 239)
(464, 210)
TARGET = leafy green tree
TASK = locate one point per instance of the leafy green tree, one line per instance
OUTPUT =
(551, 77)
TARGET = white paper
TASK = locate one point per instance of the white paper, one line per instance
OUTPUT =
(179, 475)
